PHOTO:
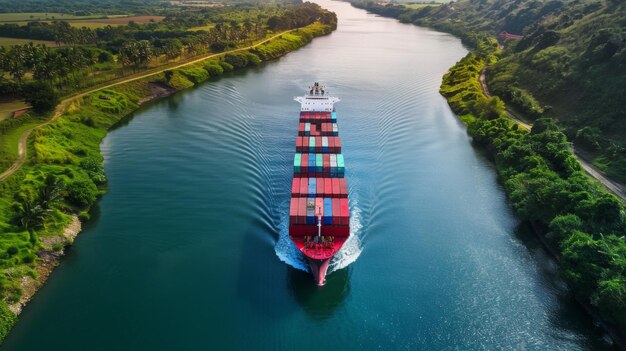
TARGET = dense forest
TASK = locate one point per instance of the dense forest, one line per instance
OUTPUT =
(570, 63)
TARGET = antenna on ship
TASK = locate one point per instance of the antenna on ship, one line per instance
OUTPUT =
(319, 224)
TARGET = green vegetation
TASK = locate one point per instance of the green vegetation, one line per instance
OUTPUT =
(18, 41)
(65, 174)
(90, 57)
(570, 64)
(547, 187)
(40, 16)
(10, 132)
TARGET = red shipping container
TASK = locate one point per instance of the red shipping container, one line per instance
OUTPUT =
(318, 144)
(323, 128)
(313, 129)
(293, 210)
(301, 210)
(331, 144)
(304, 186)
(335, 187)
(304, 164)
(295, 187)
(319, 207)
(336, 211)
(320, 186)
(305, 142)
(326, 161)
(345, 211)
(338, 145)
(301, 127)
(328, 187)
(343, 187)
(298, 144)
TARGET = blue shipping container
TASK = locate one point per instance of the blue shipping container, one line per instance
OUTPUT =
(312, 187)
(328, 211)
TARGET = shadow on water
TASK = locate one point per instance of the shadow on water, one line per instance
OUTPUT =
(319, 302)
(259, 275)
(569, 315)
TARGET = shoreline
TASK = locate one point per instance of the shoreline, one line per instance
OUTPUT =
(49, 259)
(127, 97)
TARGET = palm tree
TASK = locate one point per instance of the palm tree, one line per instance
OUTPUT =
(50, 192)
(31, 216)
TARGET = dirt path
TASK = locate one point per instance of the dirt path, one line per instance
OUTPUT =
(615, 187)
(21, 147)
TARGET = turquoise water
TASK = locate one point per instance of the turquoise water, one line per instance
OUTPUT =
(185, 250)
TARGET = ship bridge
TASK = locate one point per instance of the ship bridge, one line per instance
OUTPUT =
(317, 100)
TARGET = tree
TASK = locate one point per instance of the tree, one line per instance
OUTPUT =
(136, 52)
(561, 227)
(30, 215)
(50, 192)
(41, 96)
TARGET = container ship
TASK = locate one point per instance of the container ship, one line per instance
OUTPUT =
(319, 216)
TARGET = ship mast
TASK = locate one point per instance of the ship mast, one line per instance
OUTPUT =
(319, 225)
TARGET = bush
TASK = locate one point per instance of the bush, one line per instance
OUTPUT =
(214, 69)
(12, 250)
(227, 67)
(58, 247)
(236, 60)
(28, 258)
(253, 60)
(82, 192)
(195, 74)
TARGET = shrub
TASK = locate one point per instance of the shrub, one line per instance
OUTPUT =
(82, 192)
(236, 60)
(195, 74)
(227, 67)
(214, 69)
(58, 247)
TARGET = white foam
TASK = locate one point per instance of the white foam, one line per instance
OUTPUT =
(287, 251)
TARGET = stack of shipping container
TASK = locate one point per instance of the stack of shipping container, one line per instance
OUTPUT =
(319, 188)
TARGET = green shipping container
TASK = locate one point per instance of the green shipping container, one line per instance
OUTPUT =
(340, 163)
(297, 159)
(319, 161)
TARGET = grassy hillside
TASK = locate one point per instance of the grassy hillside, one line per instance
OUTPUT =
(571, 63)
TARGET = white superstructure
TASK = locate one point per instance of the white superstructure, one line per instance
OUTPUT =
(317, 100)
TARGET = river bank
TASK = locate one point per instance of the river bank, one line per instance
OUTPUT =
(68, 148)
(574, 217)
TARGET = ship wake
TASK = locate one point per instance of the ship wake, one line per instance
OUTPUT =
(287, 251)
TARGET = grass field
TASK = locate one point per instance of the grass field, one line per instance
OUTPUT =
(40, 16)
(125, 20)
(18, 41)
(91, 25)
(9, 140)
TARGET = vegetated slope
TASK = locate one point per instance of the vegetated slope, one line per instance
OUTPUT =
(64, 172)
(571, 63)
